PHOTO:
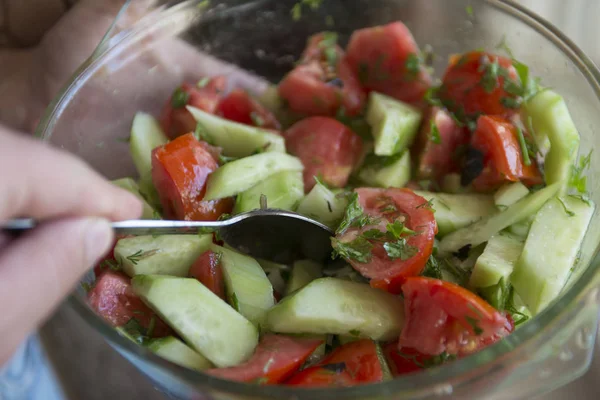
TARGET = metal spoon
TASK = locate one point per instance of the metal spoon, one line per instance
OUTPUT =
(275, 235)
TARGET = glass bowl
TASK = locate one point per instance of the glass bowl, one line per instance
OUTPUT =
(256, 42)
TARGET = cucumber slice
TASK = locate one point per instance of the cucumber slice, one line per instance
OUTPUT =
(396, 174)
(549, 117)
(248, 288)
(240, 175)
(148, 212)
(323, 205)
(208, 324)
(551, 250)
(271, 100)
(162, 255)
(174, 350)
(330, 305)
(283, 191)
(521, 229)
(148, 191)
(483, 230)
(509, 194)
(455, 211)
(394, 124)
(146, 135)
(303, 273)
(278, 274)
(497, 261)
(236, 140)
(385, 368)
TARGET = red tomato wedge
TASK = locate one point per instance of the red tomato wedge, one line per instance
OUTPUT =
(240, 107)
(351, 364)
(437, 143)
(503, 160)
(275, 359)
(207, 269)
(474, 84)
(444, 317)
(327, 148)
(175, 119)
(403, 360)
(113, 299)
(179, 171)
(323, 82)
(386, 59)
(389, 206)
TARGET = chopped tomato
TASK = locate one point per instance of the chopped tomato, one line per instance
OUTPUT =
(351, 364)
(109, 259)
(442, 317)
(328, 149)
(113, 299)
(388, 270)
(403, 360)
(240, 107)
(437, 143)
(275, 359)
(179, 171)
(496, 138)
(175, 119)
(475, 84)
(207, 269)
(386, 59)
(323, 82)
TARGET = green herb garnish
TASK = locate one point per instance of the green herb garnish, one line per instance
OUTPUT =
(474, 325)
(180, 98)
(354, 216)
(432, 269)
(139, 255)
(523, 145)
(257, 119)
(434, 135)
(203, 82)
(567, 211)
(400, 249)
(358, 249)
(354, 332)
(469, 11)
(578, 181)
(413, 65)
(489, 79)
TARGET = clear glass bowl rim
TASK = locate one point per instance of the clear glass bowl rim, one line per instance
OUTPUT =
(454, 373)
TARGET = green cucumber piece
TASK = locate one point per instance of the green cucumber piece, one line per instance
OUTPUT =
(303, 273)
(162, 255)
(456, 211)
(240, 175)
(278, 274)
(236, 140)
(248, 289)
(206, 323)
(323, 205)
(548, 115)
(336, 306)
(509, 194)
(481, 231)
(174, 350)
(146, 135)
(521, 229)
(497, 261)
(148, 212)
(385, 368)
(271, 100)
(283, 190)
(397, 174)
(394, 123)
(551, 250)
(148, 191)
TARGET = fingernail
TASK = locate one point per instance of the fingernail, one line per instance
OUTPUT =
(98, 239)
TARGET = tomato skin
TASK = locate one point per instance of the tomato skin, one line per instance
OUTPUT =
(401, 365)
(379, 57)
(275, 359)
(497, 139)
(385, 273)
(462, 90)
(207, 270)
(178, 121)
(113, 299)
(444, 317)
(180, 169)
(355, 363)
(240, 107)
(326, 147)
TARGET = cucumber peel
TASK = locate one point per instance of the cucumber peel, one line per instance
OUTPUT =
(174, 350)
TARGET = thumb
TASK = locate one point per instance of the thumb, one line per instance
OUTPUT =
(39, 269)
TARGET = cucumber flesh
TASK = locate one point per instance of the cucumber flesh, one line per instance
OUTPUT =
(148, 212)
(497, 261)
(323, 205)
(162, 255)
(146, 135)
(330, 305)
(509, 194)
(397, 174)
(236, 140)
(394, 124)
(521, 229)
(303, 273)
(483, 230)
(208, 324)
(277, 273)
(240, 175)
(149, 192)
(248, 289)
(283, 191)
(174, 350)
(551, 250)
(455, 211)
